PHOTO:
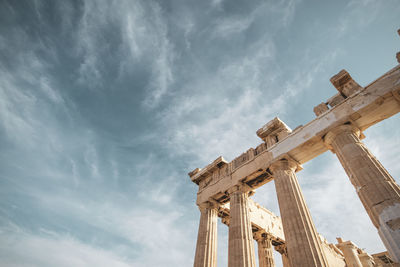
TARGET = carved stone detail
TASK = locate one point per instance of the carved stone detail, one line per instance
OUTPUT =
(345, 84)
(273, 132)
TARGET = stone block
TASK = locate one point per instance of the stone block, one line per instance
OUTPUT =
(274, 131)
(321, 108)
(345, 84)
(335, 100)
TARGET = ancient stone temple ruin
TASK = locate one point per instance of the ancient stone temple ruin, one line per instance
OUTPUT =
(225, 187)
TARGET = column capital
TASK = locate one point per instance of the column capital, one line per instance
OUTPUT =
(260, 236)
(243, 188)
(331, 135)
(208, 205)
(285, 163)
(281, 249)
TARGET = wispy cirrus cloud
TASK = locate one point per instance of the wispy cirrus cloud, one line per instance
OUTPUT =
(22, 90)
(141, 40)
(22, 248)
(127, 229)
(226, 27)
(243, 94)
(353, 17)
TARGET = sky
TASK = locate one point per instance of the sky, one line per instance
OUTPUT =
(106, 105)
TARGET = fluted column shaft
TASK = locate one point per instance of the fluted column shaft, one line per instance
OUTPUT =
(302, 240)
(241, 244)
(265, 252)
(377, 190)
(206, 248)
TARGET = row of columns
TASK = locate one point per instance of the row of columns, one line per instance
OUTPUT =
(377, 190)
(241, 247)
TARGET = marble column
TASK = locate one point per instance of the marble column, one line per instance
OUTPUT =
(302, 240)
(206, 248)
(265, 250)
(366, 260)
(241, 244)
(376, 189)
(283, 251)
(350, 253)
(285, 260)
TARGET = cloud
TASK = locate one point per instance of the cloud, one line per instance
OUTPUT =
(28, 90)
(218, 112)
(140, 40)
(51, 249)
(12, 118)
(235, 114)
(354, 16)
(91, 159)
(224, 28)
(287, 10)
(216, 3)
(281, 13)
(229, 93)
(162, 72)
(49, 91)
(159, 234)
(381, 144)
(123, 230)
